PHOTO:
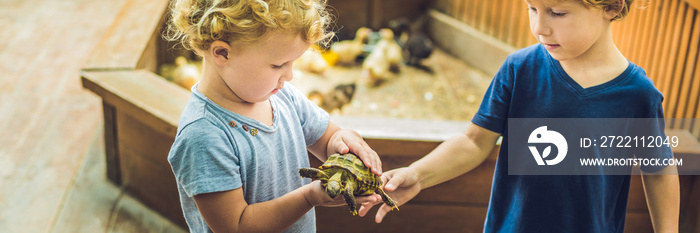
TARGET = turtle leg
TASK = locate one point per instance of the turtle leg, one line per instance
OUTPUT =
(313, 173)
(350, 199)
(387, 200)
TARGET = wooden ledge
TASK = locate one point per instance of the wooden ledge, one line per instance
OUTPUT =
(148, 96)
(141, 94)
(465, 42)
(401, 129)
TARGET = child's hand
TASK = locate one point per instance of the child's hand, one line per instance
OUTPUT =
(348, 141)
(401, 185)
(316, 196)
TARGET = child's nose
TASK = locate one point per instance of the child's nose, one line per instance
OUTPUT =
(287, 75)
(540, 26)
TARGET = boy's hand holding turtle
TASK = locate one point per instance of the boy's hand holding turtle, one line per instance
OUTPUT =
(402, 183)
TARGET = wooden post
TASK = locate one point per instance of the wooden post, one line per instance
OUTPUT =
(111, 143)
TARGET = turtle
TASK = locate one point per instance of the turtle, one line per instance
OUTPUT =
(347, 174)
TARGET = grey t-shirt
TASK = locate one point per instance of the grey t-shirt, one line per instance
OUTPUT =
(218, 150)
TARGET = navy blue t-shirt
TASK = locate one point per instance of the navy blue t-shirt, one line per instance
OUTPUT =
(532, 84)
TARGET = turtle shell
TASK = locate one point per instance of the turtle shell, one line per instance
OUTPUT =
(367, 181)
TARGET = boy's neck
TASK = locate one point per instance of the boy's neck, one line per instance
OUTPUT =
(600, 64)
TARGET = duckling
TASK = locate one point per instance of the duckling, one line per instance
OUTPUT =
(316, 97)
(334, 99)
(312, 61)
(418, 47)
(338, 97)
(394, 55)
(347, 51)
(185, 74)
(385, 59)
(376, 68)
(401, 28)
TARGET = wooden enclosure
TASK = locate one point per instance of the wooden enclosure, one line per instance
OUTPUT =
(505, 20)
(351, 15)
(141, 112)
(661, 36)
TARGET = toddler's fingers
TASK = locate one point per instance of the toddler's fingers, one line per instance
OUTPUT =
(365, 157)
(342, 148)
(377, 162)
(372, 159)
(368, 156)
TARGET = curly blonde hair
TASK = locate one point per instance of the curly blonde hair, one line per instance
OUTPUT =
(198, 23)
(623, 6)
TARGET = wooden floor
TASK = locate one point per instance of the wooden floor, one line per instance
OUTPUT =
(52, 176)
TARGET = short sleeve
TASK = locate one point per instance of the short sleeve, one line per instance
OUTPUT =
(493, 112)
(651, 131)
(314, 120)
(203, 159)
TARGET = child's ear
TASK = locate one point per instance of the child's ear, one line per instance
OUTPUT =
(613, 10)
(220, 51)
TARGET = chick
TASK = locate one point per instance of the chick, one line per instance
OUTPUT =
(376, 68)
(312, 61)
(185, 74)
(335, 99)
(316, 97)
(384, 59)
(418, 47)
(401, 28)
(394, 55)
(347, 51)
(338, 97)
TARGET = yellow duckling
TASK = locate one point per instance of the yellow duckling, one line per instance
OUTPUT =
(347, 51)
(185, 74)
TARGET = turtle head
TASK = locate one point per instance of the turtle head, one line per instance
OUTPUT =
(334, 185)
(333, 188)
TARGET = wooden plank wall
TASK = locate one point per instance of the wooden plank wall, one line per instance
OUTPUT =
(505, 20)
(661, 36)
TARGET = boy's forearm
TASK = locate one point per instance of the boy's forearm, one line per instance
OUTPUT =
(663, 199)
(450, 159)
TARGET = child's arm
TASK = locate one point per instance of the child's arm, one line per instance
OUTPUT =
(456, 156)
(337, 140)
(450, 159)
(663, 199)
(228, 211)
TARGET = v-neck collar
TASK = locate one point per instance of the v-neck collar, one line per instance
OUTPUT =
(589, 91)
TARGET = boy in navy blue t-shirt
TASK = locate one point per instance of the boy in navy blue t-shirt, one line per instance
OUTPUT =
(574, 72)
